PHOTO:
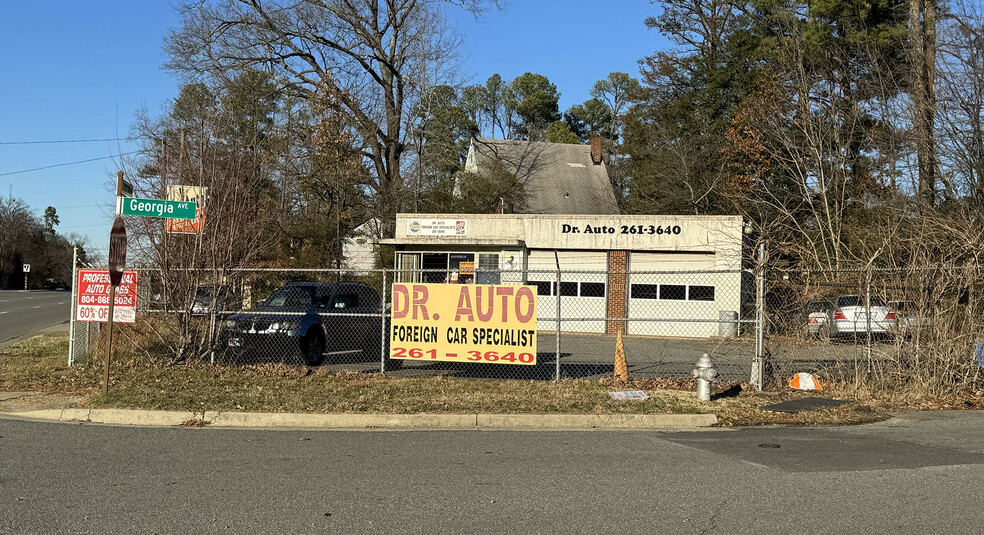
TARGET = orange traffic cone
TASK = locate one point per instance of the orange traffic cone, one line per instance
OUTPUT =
(621, 368)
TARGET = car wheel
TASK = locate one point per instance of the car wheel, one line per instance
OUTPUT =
(313, 349)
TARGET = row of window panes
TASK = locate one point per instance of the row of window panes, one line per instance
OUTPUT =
(672, 292)
(570, 288)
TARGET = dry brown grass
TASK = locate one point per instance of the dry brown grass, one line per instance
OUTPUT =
(158, 384)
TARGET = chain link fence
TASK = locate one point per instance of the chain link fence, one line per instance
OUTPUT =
(83, 337)
(341, 319)
(899, 326)
(922, 325)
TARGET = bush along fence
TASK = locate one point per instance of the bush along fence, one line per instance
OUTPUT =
(918, 328)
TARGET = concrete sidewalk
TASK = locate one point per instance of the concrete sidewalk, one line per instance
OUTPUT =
(255, 420)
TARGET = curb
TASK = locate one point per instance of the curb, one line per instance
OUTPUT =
(58, 329)
(369, 421)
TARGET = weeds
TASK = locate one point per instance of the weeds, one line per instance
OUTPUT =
(159, 384)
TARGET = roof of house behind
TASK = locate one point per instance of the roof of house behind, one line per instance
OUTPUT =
(560, 178)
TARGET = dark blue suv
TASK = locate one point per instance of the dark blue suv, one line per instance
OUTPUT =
(308, 320)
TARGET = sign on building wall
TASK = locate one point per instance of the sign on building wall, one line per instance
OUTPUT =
(511, 260)
(92, 297)
(464, 323)
(437, 227)
(194, 194)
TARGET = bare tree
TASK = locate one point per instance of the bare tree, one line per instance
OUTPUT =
(207, 140)
(961, 102)
(922, 42)
(366, 54)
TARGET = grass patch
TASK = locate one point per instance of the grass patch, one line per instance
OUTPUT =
(40, 364)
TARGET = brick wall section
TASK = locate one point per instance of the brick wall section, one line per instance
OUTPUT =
(596, 149)
(617, 264)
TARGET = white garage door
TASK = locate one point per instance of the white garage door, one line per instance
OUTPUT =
(583, 289)
(680, 296)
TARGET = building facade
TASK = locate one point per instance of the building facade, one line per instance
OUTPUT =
(675, 276)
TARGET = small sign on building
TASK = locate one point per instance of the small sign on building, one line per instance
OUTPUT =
(191, 194)
(437, 227)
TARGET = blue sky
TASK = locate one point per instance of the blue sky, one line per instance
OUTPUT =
(81, 70)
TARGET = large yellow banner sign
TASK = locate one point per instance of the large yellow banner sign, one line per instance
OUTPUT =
(464, 322)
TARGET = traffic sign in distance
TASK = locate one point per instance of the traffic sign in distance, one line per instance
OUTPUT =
(117, 251)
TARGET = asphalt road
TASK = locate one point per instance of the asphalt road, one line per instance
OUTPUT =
(918, 474)
(22, 313)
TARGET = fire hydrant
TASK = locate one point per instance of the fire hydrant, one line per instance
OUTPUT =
(705, 374)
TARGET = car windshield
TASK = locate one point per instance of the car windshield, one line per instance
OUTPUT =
(290, 297)
(205, 293)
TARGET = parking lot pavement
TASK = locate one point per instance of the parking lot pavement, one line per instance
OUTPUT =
(591, 356)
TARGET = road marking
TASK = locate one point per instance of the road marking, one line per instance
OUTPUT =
(62, 303)
(4, 311)
(39, 306)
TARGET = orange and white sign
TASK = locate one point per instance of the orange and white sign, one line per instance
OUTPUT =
(195, 194)
(804, 381)
(464, 323)
(92, 297)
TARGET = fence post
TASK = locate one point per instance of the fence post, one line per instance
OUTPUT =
(71, 308)
(557, 290)
(867, 315)
(628, 289)
(382, 328)
(758, 365)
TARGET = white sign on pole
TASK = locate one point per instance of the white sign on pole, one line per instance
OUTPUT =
(27, 268)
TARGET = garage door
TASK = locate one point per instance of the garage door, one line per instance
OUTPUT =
(583, 289)
(675, 294)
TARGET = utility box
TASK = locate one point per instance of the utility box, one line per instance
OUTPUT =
(727, 323)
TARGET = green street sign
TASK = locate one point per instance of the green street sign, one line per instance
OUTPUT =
(155, 208)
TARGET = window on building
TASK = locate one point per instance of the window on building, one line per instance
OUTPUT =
(488, 269)
(700, 293)
(435, 266)
(645, 291)
(568, 289)
(592, 289)
(543, 287)
(672, 292)
(409, 267)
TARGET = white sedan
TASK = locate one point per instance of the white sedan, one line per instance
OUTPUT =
(851, 316)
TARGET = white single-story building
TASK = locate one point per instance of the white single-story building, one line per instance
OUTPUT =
(639, 274)
(359, 246)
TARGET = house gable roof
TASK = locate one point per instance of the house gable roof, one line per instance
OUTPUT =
(560, 178)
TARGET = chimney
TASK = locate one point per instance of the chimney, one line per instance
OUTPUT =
(596, 149)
